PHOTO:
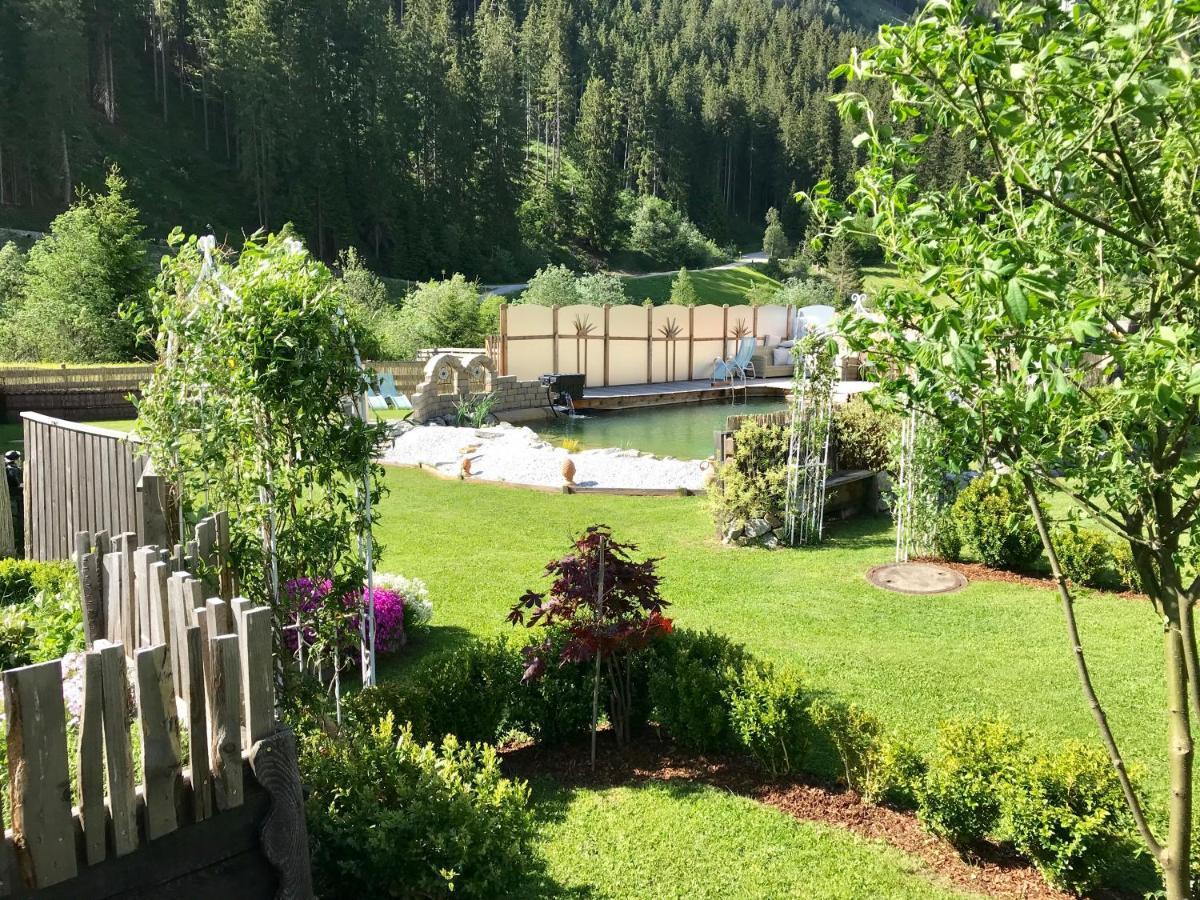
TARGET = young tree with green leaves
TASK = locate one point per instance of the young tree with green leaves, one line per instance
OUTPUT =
(86, 284)
(841, 269)
(683, 292)
(775, 242)
(595, 135)
(1051, 305)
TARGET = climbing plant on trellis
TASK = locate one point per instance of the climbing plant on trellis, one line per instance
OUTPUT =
(809, 421)
(256, 407)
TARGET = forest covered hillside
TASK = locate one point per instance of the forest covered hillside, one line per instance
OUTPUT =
(434, 136)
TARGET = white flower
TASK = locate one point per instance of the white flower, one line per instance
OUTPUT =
(418, 608)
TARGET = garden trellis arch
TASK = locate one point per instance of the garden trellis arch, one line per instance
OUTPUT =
(210, 274)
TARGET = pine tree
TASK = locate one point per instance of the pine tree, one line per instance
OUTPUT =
(683, 292)
(841, 268)
(775, 242)
(599, 180)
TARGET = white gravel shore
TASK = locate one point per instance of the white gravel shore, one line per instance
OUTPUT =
(518, 456)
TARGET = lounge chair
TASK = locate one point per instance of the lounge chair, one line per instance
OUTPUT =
(374, 400)
(740, 364)
(818, 318)
(387, 390)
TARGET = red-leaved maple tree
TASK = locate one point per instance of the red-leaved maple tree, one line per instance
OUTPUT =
(609, 605)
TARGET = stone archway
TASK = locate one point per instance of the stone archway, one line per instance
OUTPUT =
(444, 383)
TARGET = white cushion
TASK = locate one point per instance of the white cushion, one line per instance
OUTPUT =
(782, 356)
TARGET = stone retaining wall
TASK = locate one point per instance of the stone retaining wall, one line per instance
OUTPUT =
(450, 379)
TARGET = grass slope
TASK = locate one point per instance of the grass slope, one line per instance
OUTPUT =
(993, 649)
(679, 840)
(717, 286)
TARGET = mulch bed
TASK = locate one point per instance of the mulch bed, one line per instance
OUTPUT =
(980, 572)
(989, 872)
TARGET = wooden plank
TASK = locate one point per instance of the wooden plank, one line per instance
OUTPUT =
(240, 606)
(38, 775)
(178, 621)
(258, 674)
(129, 613)
(220, 617)
(200, 771)
(28, 431)
(142, 558)
(111, 582)
(225, 747)
(92, 815)
(102, 542)
(152, 492)
(226, 574)
(194, 595)
(122, 806)
(91, 595)
(161, 761)
(160, 629)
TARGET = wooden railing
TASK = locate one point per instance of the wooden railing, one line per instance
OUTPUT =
(205, 663)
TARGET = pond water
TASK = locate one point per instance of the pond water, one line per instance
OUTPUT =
(684, 431)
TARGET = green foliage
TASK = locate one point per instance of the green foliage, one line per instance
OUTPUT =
(841, 268)
(248, 411)
(864, 435)
(683, 292)
(1066, 813)
(690, 675)
(1084, 554)
(370, 311)
(599, 186)
(775, 242)
(21, 579)
(600, 289)
(79, 279)
(1127, 573)
(752, 483)
(474, 411)
(993, 518)
(880, 766)
(12, 277)
(389, 816)
(551, 286)
(661, 232)
(41, 616)
(806, 292)
(768, 712)
(441, 314)
(947, 539)
(972, 766)
(762, 293)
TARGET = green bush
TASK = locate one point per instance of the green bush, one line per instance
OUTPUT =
(689, 674)
(753, 482)
(864, 436)
(1084, 554)
(1127, 573)
(879, 766)
(973, 762)
(663, 234)
(557, 706)
(389, 816)
(1066, 813)
(947, 539)
(22, 579)
(768, 711)
(994, 519)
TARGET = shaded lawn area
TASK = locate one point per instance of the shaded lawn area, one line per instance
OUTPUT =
(993, 649)
(682, 840)
(717, 286)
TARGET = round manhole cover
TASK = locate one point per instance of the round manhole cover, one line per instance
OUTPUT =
(916, 578)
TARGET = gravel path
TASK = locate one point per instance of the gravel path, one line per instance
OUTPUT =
(518, 456)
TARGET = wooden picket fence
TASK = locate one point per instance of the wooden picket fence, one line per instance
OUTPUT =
(201, 663)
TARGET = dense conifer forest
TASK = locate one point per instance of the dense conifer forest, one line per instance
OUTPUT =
(432, 135)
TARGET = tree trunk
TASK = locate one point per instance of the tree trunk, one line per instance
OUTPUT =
(1174, 857)
(204, 109)
(66, 168)
(3, 198)
(162, 54)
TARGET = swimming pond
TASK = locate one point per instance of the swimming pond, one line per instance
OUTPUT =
(684, 431)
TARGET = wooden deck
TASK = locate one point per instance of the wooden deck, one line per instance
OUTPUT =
(629, 396)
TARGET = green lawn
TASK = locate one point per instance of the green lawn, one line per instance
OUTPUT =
(679, 840)
(991, 649)
(717, 286)
(876, 278)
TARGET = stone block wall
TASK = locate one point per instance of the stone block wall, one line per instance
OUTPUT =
(450, 378)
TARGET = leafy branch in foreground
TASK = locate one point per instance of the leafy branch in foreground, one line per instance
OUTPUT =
(1048, 315)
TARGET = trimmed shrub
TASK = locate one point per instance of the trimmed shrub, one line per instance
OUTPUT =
(768, 711)
(947, 539)
(994, 519)
(1127, 573)
(689, 675)
(864, 436)
(900, 772)
(389, 816)
(960, 797)
(1084, 554)
(753, 482)
(1066, 813)
(557, 706)
(877, 765)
